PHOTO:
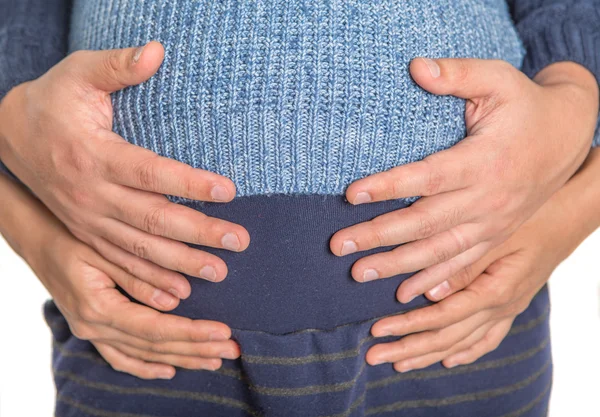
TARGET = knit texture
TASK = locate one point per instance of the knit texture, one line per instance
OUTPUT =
(554, 31)
(292, 96)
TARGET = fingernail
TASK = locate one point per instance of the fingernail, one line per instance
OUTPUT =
(362, 197)
(174, 292)
(378, 362)
(165, 375)
(230, 241)
(405, 370)
(138, 54)
(208, 272)
(162, 298)
(217, 336)
(434, 68)
(213, 365)
(349, 246)
(219, 193)
(228, 354)
(440, 291)
(370, 275)
(451, 365)
(410, 299)
(383, 333)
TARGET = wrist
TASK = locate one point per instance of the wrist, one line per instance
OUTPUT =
(575, 77)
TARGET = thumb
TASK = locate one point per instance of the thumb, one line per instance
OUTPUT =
(114, 69)
(467, 78)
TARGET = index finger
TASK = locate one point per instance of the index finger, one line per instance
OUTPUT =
(140, 168)
(157, 327)
(440, 172)
(451, 310)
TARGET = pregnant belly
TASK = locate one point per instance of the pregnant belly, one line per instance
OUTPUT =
(293, 100)
(288, 279)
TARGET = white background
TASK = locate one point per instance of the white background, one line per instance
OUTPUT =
(26, 387)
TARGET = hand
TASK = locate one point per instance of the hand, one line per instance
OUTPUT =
(525, 140)
(56, 136)
(480, 303)
(132, 338)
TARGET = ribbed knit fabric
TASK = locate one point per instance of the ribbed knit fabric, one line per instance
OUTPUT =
(293, 96)
(555, 30)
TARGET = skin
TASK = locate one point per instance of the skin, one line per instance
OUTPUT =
(132, 338)
(56, 137)
(109, 194)
(526, 138)
(482, 301)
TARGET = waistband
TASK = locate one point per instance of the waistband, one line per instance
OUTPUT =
(288, 280)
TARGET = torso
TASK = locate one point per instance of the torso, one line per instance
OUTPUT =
(293, 100)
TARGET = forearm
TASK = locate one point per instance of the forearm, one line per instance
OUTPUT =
(33, 37)
(25, 222)
(577, 204)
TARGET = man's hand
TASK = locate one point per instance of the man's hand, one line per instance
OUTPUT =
(56, 137)
(133, 338)
(525, 140)
(482, 301)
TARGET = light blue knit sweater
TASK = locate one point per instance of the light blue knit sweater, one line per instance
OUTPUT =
(293, 96)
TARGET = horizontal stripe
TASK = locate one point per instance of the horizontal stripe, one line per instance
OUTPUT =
(532, 404)
(457, 399)
(157, 392)
(97, 411)
(342, 386)
(399, 405)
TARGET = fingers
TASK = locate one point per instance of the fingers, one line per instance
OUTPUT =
(443, 314)
(441, 172)
(138, 289)
(153, 326)
(425, 343)
(207, 356)
(123, 363)
(164, 252)
(488, 343)
(158, 216)
(115, 69)
(467, 78)
(146, 271)
(435, 275)
(423, 361)
(140, 168)
(423, 219)
(436, 250)
(182, 361)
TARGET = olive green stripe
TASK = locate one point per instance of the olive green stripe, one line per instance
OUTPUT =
(187, 395)
(96, 411)
(415, 375)
(530, 324)
(329, 357)
(303, 360)
(350, 353)
(474, 367)
(457, 399)
(532, 404)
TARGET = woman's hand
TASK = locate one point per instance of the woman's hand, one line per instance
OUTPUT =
(525, 140)
(132, 338)
(56, 137)
(488, 295)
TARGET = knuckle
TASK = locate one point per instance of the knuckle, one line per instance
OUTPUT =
(427, 226)
(81, 331)
(154, 220)
(141, 248)
(461, 73)
(112, 64)
(435, 177)
(146, 174)
(442, 253)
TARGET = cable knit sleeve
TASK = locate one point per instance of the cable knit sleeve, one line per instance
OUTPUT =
(559, 30)
(33, 37)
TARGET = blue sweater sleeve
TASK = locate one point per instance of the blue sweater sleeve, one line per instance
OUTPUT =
(559, 30)
(33, 37)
